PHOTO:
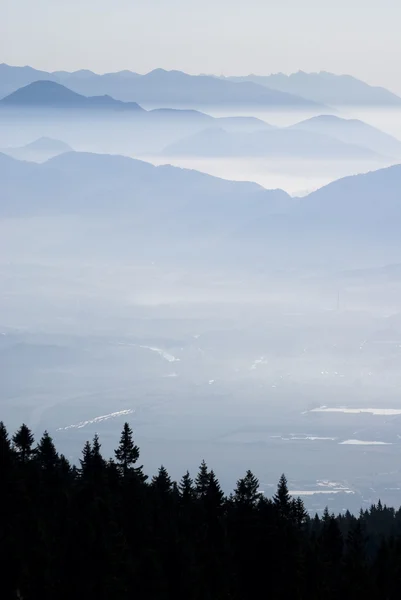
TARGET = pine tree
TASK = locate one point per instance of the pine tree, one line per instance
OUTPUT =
(162, 482)
(282, 499)
(247, 492)
(326, 515)
(86, 460)
(186, 489)
(127, 452)
(202, 481)
(66, 472)
(23, 441)
(46, 453)
(214, 496)
(98, 464)
(6, 452)
(299, 513)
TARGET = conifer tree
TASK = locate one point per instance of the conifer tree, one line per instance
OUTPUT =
(127, 452)
(65, 467)
(113, 474)
(98, 464)
(23, 441)
(6, 452)
(186, 489)
(282, 499)
(162, 481)
(246, 492)
(299, 513)
(46, 453)
(86, 460)
(326, 515)
(214, 496)
(202, 481)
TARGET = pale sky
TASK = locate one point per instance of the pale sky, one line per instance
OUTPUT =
(230, 37)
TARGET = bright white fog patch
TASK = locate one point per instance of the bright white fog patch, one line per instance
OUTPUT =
(324, 486)
(313, 492)
(312, 438)
(364, 443)
(303, 438)
(114, 415)
(162, 353)
(258, 361)
(385, 412)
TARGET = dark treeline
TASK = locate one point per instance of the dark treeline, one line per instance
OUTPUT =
(104, 530)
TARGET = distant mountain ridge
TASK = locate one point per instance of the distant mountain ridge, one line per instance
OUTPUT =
(39, 150)
(126, 206)
(50, 94)
(135, 131)
(326, 88)
(352, 131)
(159, 88)
(177, 89)
(373, 197)
(289, 142)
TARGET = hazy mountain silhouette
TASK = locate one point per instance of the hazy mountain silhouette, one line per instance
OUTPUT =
(159, 88)
(373, 197)
(105, 204)
(352, 131)
(125, 127)
(326, 88)
(13, 78)
(98, 184)
(48, 94)
(288, 142)
(245, 124)
(39, 150)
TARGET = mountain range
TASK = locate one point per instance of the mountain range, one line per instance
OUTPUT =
(278, 143)
(326, 88)
(49, 94)
(39, 150)
(129, 206)
(321, 137)
(100, 123)
(352, 131)
(43, 94)
(159, 88)
(180, 132)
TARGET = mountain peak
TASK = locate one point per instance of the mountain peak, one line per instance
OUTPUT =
(43, 92)
(50, 94)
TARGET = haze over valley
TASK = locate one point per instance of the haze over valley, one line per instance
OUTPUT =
(216, 260)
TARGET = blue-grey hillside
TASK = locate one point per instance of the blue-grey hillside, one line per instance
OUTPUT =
(326, 88)
(96, 185)
(48, 94)
(372, 199)
(352, 131)
(43, 94)
(132, 208)
(159, 88)
(288, 142)
(101, 123)
(39, 150)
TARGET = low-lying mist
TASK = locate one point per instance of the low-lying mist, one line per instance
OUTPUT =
(215, 316)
